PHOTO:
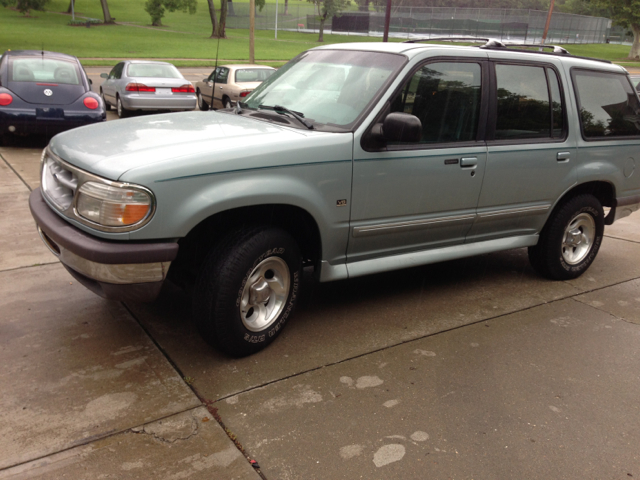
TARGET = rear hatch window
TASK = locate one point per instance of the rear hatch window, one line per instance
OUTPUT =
(49, 81)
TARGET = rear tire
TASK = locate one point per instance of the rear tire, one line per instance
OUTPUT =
(122, 112)
(227, 102)
(570, 240)
(247, 289)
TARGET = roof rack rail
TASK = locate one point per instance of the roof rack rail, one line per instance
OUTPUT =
(492, 43)
(489, 42)
(554, 48)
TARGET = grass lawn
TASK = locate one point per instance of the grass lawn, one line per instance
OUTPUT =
(183, 38)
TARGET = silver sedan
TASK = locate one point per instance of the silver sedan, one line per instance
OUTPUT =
(145, 85)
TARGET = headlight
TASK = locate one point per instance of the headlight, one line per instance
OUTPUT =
(112, 206)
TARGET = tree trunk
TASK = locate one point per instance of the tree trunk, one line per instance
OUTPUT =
(214, 19)
(321, 35)
(70, 9)
(635, 47)
(222, 26)
(230, 5)
(105, 11)
(286, 7)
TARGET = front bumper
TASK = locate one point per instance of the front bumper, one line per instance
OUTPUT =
(114, 270)
(26, 120)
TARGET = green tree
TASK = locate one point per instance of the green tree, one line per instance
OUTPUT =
(326, 9)
(157, 8)
(25, 6)
(625, 13)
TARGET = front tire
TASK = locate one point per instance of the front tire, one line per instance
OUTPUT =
(202, 105)
(570, 240)
(107, 105)
(227, 103)
(247, 290)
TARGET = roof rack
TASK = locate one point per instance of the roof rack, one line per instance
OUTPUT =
(491, 43)
(554, 48)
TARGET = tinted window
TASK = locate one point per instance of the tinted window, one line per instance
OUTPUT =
(117, 71)
(608, 105)
(42, 69)
(523, 107)
(446, 98)
(557, 106)
(223, 74)
(148, 70)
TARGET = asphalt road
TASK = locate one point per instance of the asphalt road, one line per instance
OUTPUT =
(475, 368)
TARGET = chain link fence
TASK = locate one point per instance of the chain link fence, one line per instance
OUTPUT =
(422, 22)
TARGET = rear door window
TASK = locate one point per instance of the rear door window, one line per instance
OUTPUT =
(529, 103)
(608, 105)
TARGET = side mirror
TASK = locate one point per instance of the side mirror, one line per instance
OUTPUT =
(399, 127)
(90, 81)
(205, 80)
(104, 75)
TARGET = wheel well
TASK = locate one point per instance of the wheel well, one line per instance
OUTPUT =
(603, 191)
(203, 237)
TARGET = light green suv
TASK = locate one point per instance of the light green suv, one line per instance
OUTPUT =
(351, 159)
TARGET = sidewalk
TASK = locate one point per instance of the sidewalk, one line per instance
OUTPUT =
(475, 368)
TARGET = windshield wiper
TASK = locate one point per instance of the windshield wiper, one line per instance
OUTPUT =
(282, 110)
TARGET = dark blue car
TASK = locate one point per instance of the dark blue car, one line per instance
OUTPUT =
(45, 93)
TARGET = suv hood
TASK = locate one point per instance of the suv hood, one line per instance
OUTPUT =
(114, 148)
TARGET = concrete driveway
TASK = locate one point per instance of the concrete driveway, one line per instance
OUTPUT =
(474, 368)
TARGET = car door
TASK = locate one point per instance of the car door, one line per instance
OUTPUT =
(218, 88)
(531, 152)
(109, 86)
(419, 196)
(207, 86)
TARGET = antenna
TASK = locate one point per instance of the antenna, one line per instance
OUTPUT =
(215, 74)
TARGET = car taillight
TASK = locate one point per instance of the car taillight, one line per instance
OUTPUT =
(91, 103)
(184, 89)
(139, 87)
(244, 94)
(5, 99)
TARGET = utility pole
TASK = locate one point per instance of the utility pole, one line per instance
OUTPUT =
(387, 21)
(546, 27)
(252, 28)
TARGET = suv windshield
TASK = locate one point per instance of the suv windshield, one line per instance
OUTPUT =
(328, 86)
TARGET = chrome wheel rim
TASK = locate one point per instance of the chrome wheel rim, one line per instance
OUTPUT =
(265, 294)
(200, 102)
(578, 238)
(119, 102)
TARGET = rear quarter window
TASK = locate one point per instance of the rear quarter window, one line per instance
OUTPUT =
(608, 105)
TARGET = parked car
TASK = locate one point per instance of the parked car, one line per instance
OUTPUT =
(45, 93)
(351, 159)
(231, 83)
(144, 85)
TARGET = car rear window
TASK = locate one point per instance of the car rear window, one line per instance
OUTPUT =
(253, 75)
(152, 70)
(36, 69)
(608, 105)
